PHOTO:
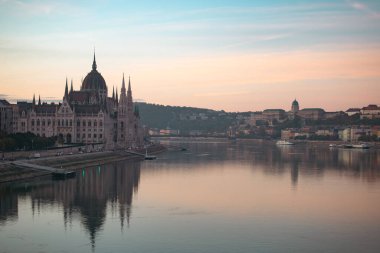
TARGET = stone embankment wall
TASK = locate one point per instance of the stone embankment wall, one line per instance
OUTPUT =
(10, 172)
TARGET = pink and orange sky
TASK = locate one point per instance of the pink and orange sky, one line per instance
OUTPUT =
(230, 55)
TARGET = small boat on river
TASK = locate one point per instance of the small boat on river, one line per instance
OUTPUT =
(284, 142)
(350, 146)
(149, 157)
(360, 146)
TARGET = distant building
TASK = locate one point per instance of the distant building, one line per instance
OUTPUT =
(287, 134)
(274, 114)
(256, 118)
(301, 135)
(353, 134)
(332, 115)
(6, 116)
(311, 113)
(169, 131)
(295, 107)
(84, 116)
(370, 112)
(353, 111)
(375, 130)
(324, 132)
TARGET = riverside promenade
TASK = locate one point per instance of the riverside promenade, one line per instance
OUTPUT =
(25, 169)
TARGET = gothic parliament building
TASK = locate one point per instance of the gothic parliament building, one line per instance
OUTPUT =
(85, 116)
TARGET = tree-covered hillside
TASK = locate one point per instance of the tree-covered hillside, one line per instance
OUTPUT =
(185, 119)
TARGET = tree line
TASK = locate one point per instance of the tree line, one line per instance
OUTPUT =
(25, 141)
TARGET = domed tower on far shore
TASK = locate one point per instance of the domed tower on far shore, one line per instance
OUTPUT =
(295, 106)
(95, 82)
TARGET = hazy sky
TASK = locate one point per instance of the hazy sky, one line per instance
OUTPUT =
(231, 55)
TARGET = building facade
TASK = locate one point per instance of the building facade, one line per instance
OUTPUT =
(311, 113)
(5, 116)
(370, 112)
(85, 116)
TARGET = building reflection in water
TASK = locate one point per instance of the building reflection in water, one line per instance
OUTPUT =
(8, 205)
(88, 195)
(110, 188)
(302, 159)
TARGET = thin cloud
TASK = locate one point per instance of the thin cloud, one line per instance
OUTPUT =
(364, 8)
(258, 9)
(254, 39)
(40, 8)
(221, 94)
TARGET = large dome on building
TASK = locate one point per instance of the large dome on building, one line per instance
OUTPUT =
(94, 80)
(295, 103)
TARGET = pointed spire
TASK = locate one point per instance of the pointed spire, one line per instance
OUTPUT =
(39, 100)
(71, 89)
(129, 84)
(117, 96)
(129, 96)
(66, 89)
(34, 99)
(113, 92)
(123, 86)
(94, 62)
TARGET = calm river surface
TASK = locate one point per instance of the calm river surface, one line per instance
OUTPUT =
(219, 196)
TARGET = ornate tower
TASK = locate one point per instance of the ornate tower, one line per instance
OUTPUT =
(129, 98)
(295, 106)
(66, 90)
(131, 120)
(95, 84)
(122, 118)
(126, 119)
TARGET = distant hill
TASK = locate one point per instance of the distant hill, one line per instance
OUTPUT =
(185, 119)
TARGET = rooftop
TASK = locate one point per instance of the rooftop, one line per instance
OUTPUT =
(353, 110)
(371, 107)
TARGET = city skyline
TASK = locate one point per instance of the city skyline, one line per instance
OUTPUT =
(223, 55)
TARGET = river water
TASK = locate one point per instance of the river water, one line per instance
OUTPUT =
(218, 196)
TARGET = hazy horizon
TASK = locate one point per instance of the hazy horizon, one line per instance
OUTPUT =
(222, 55)
(285, 107)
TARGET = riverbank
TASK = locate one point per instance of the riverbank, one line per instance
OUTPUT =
(10, 172)
(321, 143)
